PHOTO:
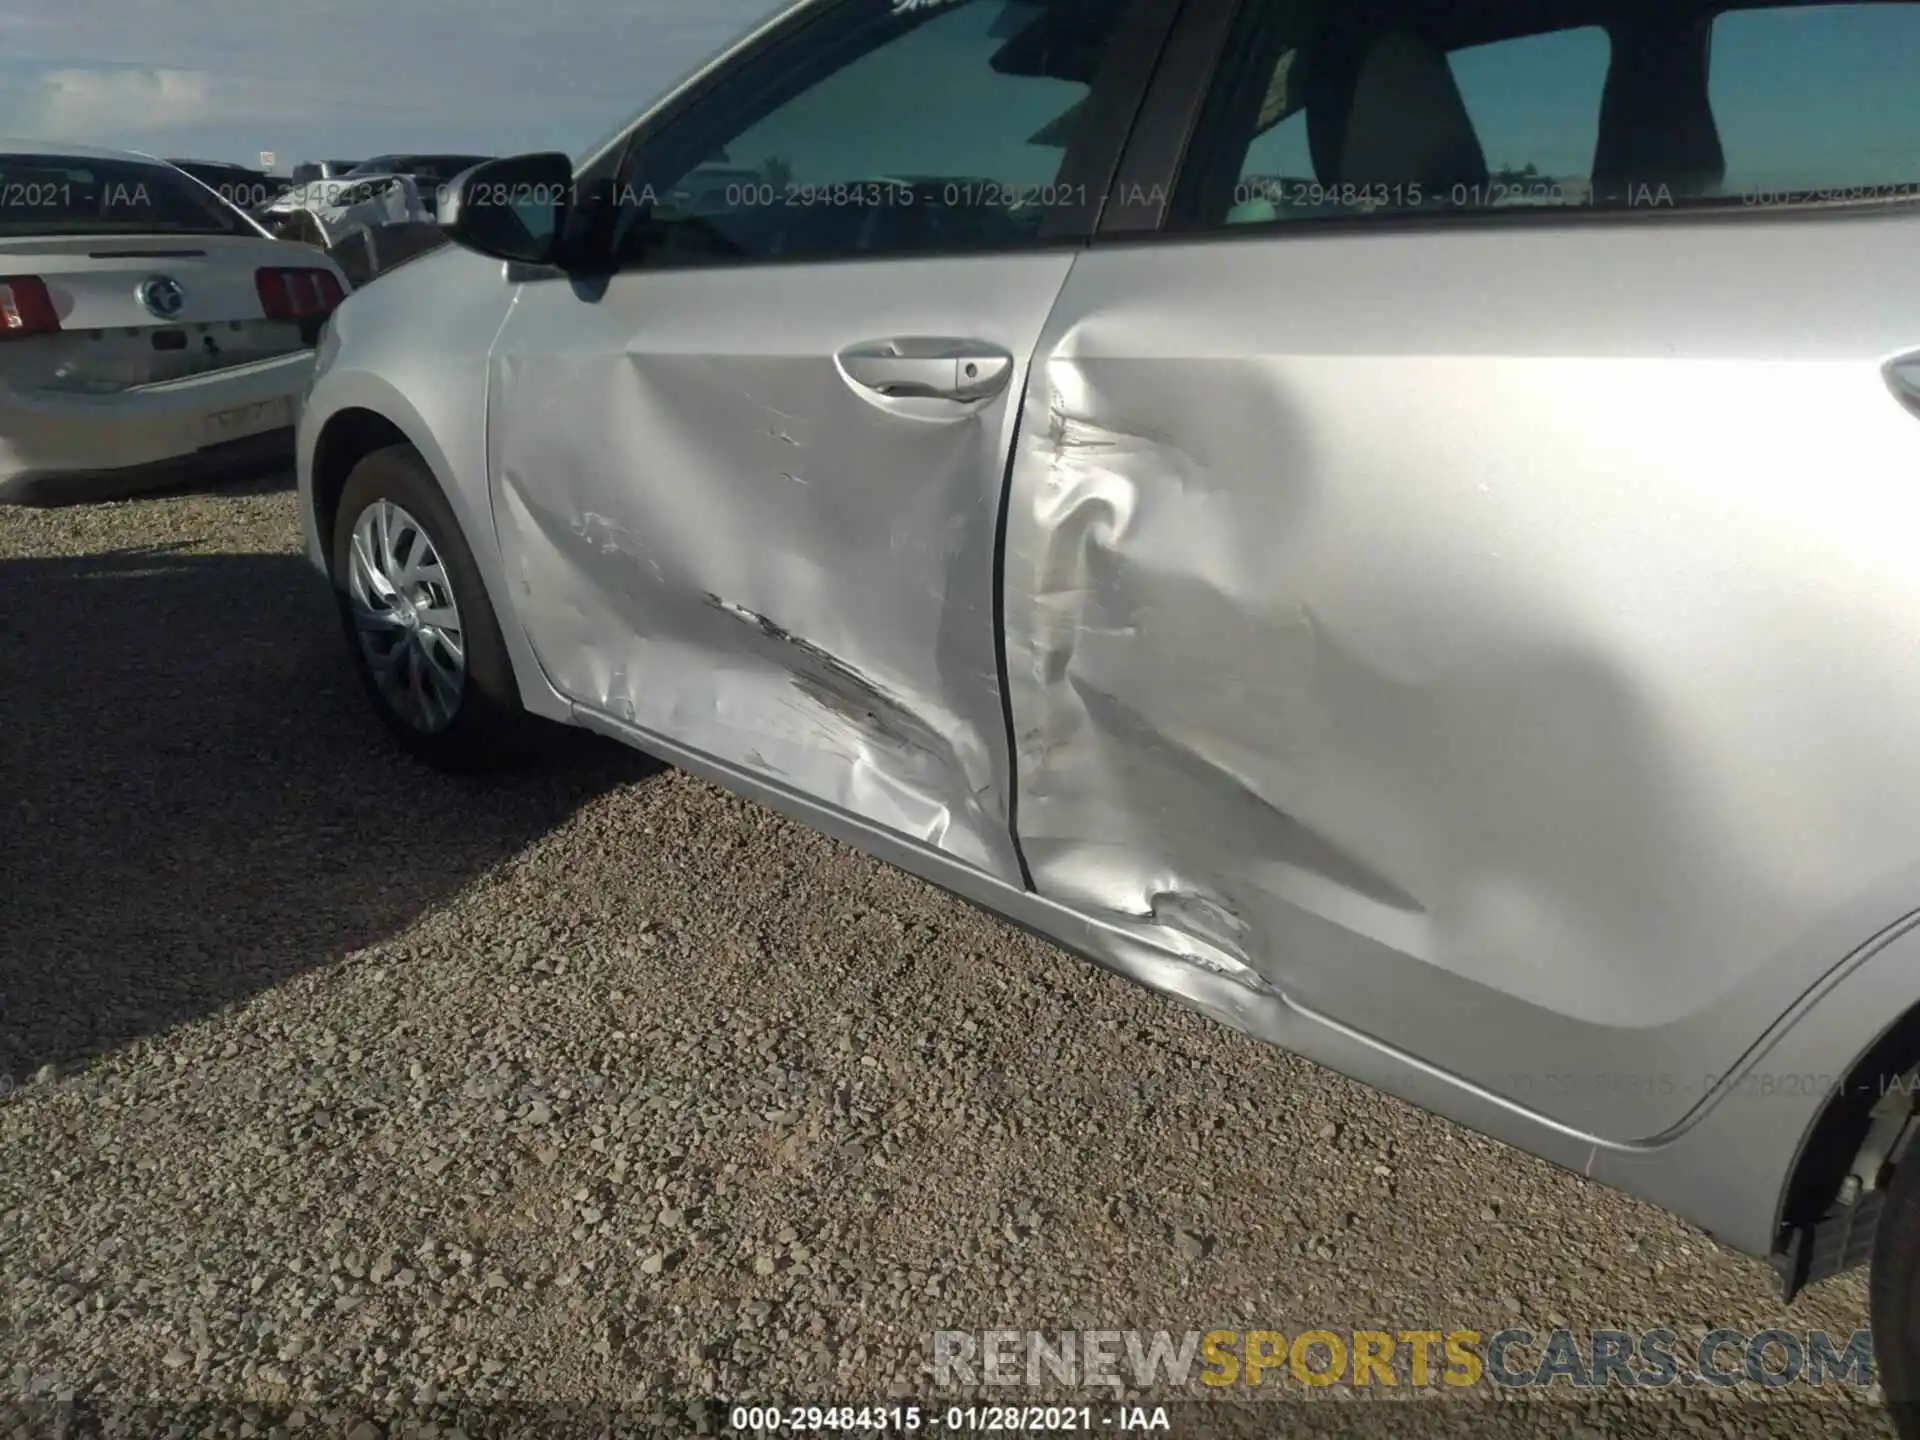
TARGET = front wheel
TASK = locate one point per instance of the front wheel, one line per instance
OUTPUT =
(422, 633)
(1894, 1289)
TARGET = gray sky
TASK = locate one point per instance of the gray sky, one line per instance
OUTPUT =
(312, 79)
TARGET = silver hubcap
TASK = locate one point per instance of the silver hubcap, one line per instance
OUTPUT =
(408, 623)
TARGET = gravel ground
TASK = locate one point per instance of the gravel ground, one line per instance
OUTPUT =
(354, 1094)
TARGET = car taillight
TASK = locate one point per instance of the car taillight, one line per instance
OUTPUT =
(26, 307)
(298, 294)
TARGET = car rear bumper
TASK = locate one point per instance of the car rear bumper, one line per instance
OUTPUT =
(52, 440)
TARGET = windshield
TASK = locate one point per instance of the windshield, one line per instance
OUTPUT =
(64, 195)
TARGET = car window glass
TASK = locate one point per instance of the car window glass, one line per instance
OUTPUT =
(1278, 157)
(1852, 73)
(1345, 112)
(57, 195)
(1321, 118)
(882, 127)
(1535, 104)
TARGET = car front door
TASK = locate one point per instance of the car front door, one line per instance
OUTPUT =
(748, 487)
(1456, 559)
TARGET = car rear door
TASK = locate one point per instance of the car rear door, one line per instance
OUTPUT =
(748, 486)
(1458, 544)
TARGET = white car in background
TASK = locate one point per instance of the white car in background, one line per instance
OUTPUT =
(368, 222)
(148, 329)
(342, 208)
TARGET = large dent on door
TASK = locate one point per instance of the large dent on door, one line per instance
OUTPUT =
(1497, 730)
(811, 603)
(1167, 709)
(1223, 734)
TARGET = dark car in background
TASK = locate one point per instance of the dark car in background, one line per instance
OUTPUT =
(308, 171)
(444, 167)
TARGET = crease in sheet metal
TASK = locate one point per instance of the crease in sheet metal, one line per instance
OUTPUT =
(855, 658)
(1498, 732)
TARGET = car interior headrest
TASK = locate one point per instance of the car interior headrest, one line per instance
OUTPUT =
(1407, 123)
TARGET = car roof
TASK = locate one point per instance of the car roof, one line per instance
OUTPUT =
(12, 146)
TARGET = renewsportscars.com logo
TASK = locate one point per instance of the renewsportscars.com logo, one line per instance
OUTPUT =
(1514, 1359)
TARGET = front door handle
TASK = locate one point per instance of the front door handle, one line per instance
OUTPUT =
(927, 368)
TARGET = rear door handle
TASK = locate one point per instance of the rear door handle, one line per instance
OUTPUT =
(925, 367)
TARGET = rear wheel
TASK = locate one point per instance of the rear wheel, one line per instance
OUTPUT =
(1894, 1288)
(421, 630)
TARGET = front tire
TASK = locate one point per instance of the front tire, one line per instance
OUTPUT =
(1894, 1292)
(422, 633)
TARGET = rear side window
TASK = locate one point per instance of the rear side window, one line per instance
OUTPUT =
(1535, 104)
(1818, 101)
(61, 195)
(1330, 110)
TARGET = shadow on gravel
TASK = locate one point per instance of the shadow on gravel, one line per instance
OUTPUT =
(197, 801)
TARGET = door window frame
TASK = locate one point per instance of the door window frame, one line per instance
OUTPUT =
(1112, 110)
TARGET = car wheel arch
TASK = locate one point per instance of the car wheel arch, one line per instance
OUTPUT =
(1831, 1147)
(349, 436)
(372, 416)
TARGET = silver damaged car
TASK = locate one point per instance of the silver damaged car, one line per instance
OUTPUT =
(1391, 523)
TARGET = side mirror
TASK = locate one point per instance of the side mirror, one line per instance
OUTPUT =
(512, 209)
